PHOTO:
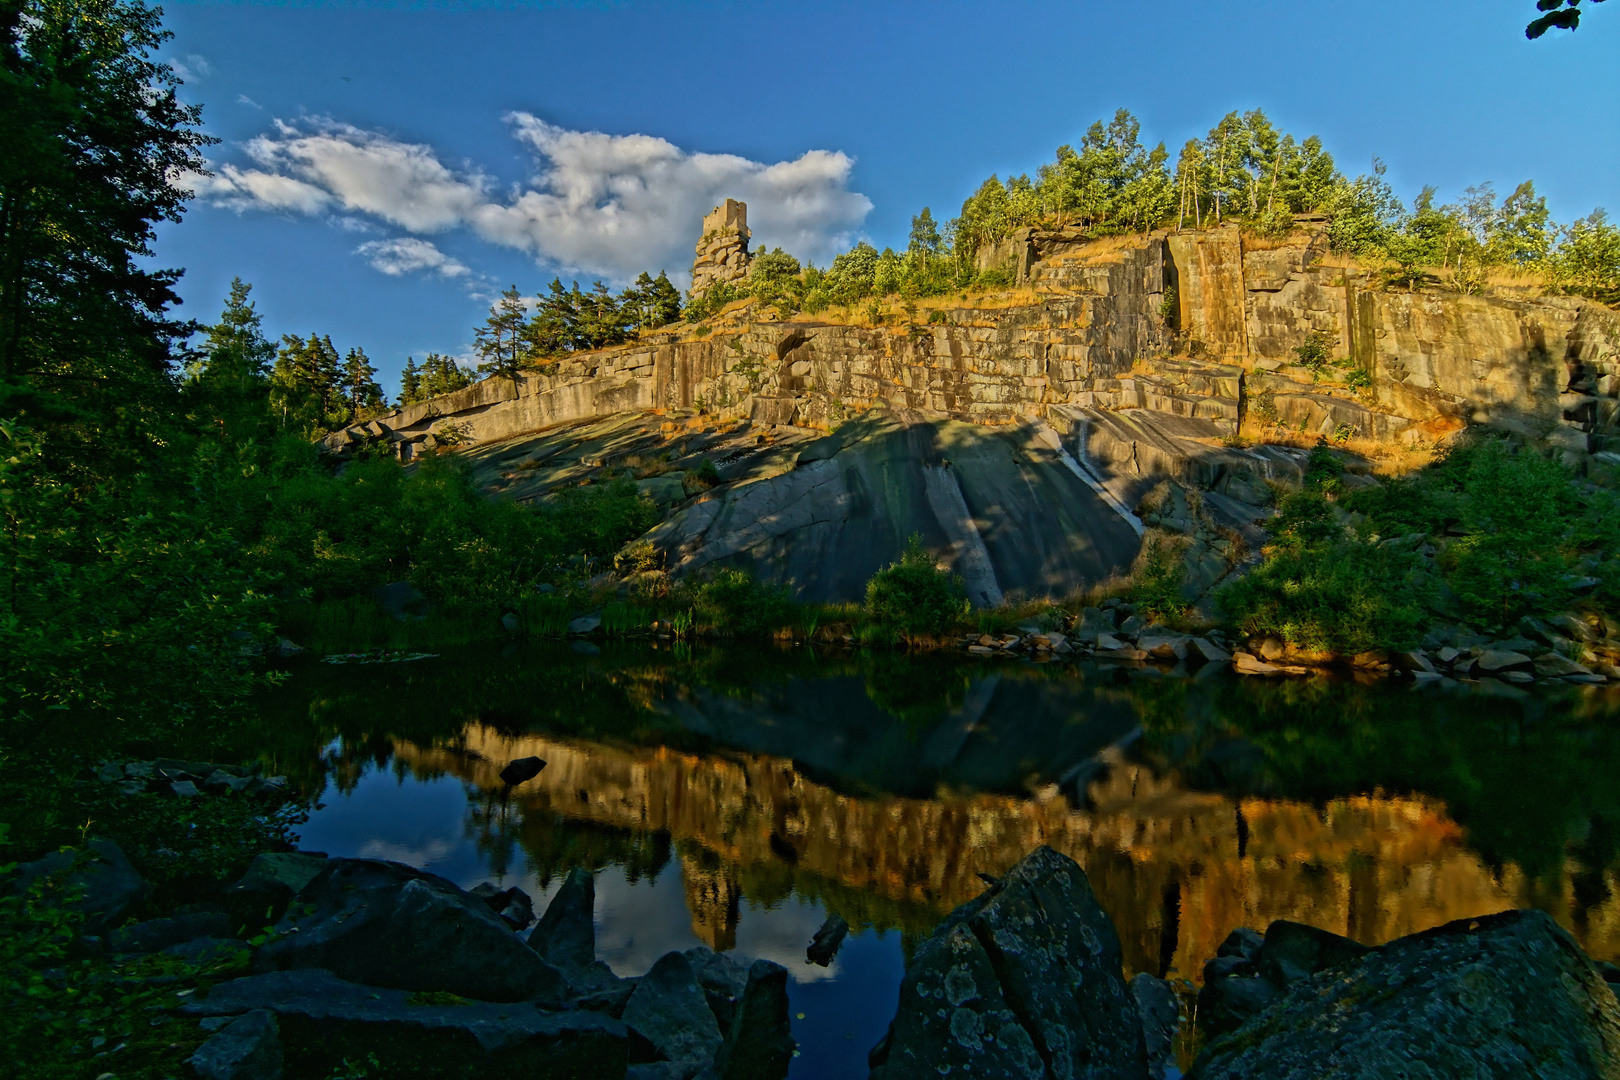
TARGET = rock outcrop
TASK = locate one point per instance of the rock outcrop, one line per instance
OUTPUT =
(1496, 996)
(722, 250)
(1024, 981)
(386, 924)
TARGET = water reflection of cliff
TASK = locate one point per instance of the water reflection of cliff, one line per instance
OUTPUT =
(882, 785)
(1175, 868)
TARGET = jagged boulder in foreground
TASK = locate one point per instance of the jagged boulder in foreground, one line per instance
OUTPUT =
(1508, 995)
(1024, 981)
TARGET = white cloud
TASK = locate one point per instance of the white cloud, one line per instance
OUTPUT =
(194, 68)
(600, 204)
(407, 255)
(243, 99)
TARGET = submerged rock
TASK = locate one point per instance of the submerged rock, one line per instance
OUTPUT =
(1024, 981)
(1505, 995)
(521, 769)
(387, 924)
(826, 942)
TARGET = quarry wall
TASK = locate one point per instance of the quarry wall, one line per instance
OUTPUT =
(1200, 324)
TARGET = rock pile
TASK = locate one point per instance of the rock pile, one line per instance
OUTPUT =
(377, 958)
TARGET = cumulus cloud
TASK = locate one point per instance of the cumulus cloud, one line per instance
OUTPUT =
(601, 204)
(408, 255)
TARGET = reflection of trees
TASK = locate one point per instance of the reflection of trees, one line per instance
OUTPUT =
(1524, 775)
(918, 689)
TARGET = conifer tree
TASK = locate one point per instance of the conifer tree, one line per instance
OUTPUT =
(235, 351)
(410, 383)
(663, 301)
(500, 342)
(364, 396)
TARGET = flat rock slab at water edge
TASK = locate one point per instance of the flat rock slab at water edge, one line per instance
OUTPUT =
(387, 924)
(1498, 997)
(1025, 981)
(325, 1019)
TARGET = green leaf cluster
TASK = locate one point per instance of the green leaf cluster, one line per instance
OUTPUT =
(914, 597)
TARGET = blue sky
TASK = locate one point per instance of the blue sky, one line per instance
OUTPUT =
(385, 168)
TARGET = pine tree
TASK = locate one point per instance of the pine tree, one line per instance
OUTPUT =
(500, 341)
(235, 351)
(360, 387)
(664, 301)
(410, 383)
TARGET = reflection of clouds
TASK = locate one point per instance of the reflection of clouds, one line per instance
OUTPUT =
(638, 922)
(421, 856)
(782, 933)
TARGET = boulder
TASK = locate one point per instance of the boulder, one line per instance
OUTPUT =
(1208, 652)
(1504, 995)
(723, 981)
(1164, 646)
(670, 1010)
(156, 935)
(566, 934)
(247, 1048)
(585, 624)
(513, 905)
(272, 879)
(1093, 622)
(521, 769)
(759, 1044)
(103, 884)
(1495, 661)
(1292, 951)
(1160, 1011)
(1024, 981)
(325, 1019)
(387, 924)
(1247, 664)
(1553, 665)
(824, 945)
(1249, 972)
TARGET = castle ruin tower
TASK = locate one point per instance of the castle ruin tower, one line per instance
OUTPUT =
(722, 251)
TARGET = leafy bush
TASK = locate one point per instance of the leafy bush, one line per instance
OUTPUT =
(1156, 582)
(1315, 350)
(1346, 596)
(734, 603)
(915, 597)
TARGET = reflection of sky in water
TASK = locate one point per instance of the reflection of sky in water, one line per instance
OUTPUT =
(846, 1006)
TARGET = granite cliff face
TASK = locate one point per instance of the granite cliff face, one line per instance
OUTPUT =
(1128, 359)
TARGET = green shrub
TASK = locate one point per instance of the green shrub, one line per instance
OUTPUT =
(1315, 350)
(1344, 596)
(915, 597)
(733, 603)
(1156, 582)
